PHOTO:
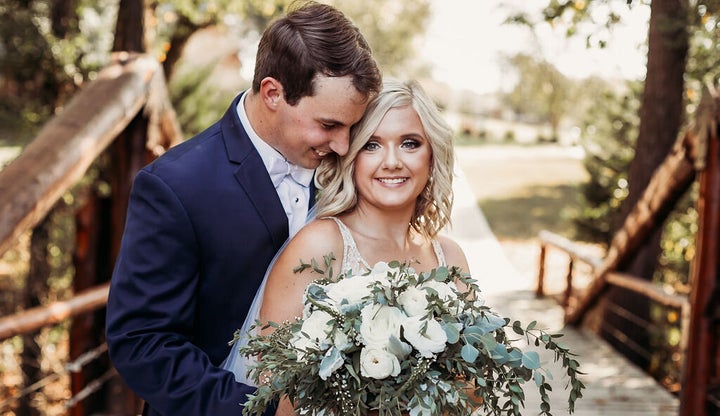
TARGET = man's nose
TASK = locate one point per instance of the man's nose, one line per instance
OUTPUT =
(340, 144)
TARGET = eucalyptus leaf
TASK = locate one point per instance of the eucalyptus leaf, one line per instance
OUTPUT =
(469, 353)
(531, 360)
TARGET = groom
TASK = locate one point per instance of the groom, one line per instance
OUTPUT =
(206, 218)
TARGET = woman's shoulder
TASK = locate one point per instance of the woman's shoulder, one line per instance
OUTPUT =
(318, 237)
(325, 227)
(454, 254)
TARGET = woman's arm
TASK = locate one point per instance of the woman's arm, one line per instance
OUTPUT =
(284, 290)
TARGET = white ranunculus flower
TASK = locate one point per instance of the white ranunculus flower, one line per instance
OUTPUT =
(427, 336)
(413, 301)
(379, 323)
(378, 364)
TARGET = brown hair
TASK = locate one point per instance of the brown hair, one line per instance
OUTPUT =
(314, 39)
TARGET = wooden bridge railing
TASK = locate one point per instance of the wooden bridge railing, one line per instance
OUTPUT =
(696, 152)
(127, 104)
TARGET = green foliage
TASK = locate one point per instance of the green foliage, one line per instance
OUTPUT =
(197, 100)
(541, 94)
(390, 27)
(609, 135)
(44, 57)
(320, 364)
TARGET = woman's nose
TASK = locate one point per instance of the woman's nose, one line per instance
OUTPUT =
(391, 159)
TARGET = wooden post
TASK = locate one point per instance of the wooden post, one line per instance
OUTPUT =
(540, 290)
(701, 368)
(568, 284)
(91, 262)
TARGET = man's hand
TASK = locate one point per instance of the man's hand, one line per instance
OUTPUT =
(285, 408)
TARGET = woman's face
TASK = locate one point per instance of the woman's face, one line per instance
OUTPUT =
(393, 167)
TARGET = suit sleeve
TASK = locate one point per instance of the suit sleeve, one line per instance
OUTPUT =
(150, 311)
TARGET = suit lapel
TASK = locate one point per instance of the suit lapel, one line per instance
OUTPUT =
(253, 177)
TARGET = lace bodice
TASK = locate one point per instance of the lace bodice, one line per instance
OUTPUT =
(354, 261)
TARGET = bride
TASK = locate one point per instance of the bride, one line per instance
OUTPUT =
(387, 199)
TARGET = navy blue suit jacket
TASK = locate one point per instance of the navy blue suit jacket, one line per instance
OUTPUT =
(203, 223)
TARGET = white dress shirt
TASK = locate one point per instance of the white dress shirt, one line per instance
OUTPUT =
(294, 195)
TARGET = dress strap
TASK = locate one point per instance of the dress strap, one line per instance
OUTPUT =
(352, 259)
(439, 253)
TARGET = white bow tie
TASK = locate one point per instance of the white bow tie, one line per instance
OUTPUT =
(280, 168)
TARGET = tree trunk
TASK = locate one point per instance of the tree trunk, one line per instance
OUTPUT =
(661, 116)
(130, 27)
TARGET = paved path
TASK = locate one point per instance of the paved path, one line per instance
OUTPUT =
(615, 387)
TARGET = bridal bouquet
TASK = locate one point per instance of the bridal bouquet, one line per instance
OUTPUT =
(396, 341)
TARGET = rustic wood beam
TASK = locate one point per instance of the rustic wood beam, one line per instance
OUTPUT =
(33, 319)
(68, 144)
(702, 362)
(668, 184)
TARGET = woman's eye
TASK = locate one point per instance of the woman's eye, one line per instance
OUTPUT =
(411, 144)
(371, 146)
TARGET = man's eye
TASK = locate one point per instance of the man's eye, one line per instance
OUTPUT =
(328, 126)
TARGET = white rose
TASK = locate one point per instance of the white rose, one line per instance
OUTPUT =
(379, 323)
(378, 364)
(314, 333)
(479, 300)
(420, 411)
(427, 336)
(381, 267)
(446, 291)
(447, 294)
(352, 289)
(413, 301)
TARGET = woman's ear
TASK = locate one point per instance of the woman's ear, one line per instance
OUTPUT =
(271, 92)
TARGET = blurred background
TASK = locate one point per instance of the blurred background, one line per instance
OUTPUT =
(561, 114)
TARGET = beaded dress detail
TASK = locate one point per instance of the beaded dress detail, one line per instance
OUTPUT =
(354, 261)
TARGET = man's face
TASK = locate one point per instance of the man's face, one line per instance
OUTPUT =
(320, 124)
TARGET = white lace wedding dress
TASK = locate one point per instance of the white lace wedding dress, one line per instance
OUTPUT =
(352, 261)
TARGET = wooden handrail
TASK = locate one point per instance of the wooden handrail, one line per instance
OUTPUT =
(566, 245)
(632, 283)
(33, 319)
(669, 182)
(68, 144)
(647, 289)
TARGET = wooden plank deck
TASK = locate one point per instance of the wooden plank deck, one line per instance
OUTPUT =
(615, 387)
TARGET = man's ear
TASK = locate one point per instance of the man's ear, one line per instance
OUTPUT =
(271, 92)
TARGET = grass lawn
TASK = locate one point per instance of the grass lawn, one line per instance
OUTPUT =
(524, 189)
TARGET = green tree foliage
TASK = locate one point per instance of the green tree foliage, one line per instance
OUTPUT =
(47, 50)
(541, 94)
(602, 192)
(608, 137)
(390, 26)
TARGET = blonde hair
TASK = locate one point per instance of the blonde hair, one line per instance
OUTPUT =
(334, 176)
